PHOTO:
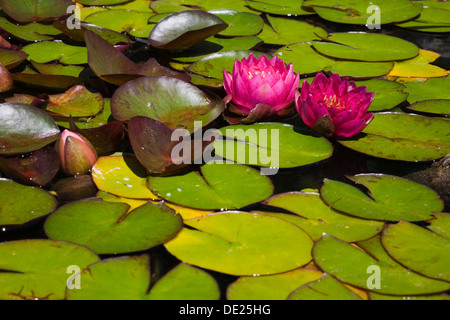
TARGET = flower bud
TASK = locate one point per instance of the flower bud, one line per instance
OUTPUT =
(76, 153)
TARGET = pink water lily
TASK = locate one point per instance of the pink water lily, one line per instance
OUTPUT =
(334, 106)
(261, 81)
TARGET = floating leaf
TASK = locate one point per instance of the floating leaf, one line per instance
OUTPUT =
(106, 227)
(325, 288)
(441, 224)
(25, 128)
(78, 101)
(433, 18)
(357, 12)
(365, 47)
(240, 243)
(270, 145)
(418, 67)
(317, 218)
(37, 269)
(46, 51)
(389, 198)
(360, 69)
(185, 282)
(434, 88)
(32, 10)
(171, 101)
(304, 58)
(129, 21)
(29, 32)
(183, 29)
(113, 66)
(11, 58)
(407, 137)
(239, 23)
(435, 106)
(20, 204)
(215, 186)
(123, 176)
(111, 279)
(418, 249)
(37, 168)
(286, 31)
(271, 287)
(289, 8)
(356, 266)
(213, 65)
(388, 94)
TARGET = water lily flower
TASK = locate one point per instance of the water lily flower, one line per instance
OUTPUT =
(261, 82)
(334, 106)
(76, 153)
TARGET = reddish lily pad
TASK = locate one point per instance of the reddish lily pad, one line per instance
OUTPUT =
(32, 10)
(37, 168)
(25, 128)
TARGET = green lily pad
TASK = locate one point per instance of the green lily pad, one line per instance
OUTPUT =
(123, 176)
(433, 18)
(360, 69)
(181, 30)
(21, 204)
(215, 45)
(171, 101)
(389, 198)
(270, 145)
(215, 186)
(356, 12)
(388, 94)
(32, 10)
(25, 128)
(102, 118)
(212, 65)
(136, 5)
(289, 8)
(239, 23)
(240, 243)
(46, 51)
(111, 279)
(185, 282)
(101, 2)
(284, 31)
(78, 101)
(57, 69)
(132, 22)
(29, 32)
(106, 227)
(440, 224)
(52, 81)
(271, 287)
(11, 58)
(162, 6)
(317, 218)
(304, 58)
(435, 88)
(325, 288)
(365, 47)
(418, 249)
(38, 268)
(435, 106)
(353, 265)
(407, 137)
